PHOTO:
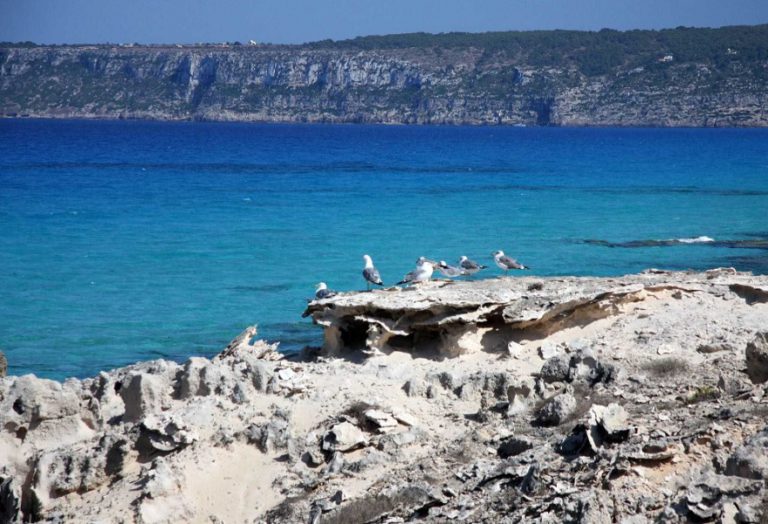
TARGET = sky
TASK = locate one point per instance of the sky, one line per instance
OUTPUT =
(298, 21)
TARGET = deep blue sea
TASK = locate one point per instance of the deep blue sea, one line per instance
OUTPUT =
(125, 241)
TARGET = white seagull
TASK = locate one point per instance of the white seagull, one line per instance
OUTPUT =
(422, 273)
(370, 273)
(470, 267)
(506, 263)
(322, 291)
(450, 271)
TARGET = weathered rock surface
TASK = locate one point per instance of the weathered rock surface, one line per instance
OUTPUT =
(475, 81)
(605, 429)
(556, 410)
(344, 437)
(757, 358)
(751, 460)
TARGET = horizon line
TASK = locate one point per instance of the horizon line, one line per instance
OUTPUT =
(252, 43)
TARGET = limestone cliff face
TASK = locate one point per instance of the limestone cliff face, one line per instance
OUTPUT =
(459, 85)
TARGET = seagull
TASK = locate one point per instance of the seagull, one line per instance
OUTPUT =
(506, 263)
(422, 273)
(450, 271)
(470, 267)
(370, 273)
(322, 291)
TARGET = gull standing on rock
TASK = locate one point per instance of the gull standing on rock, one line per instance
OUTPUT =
(470, 267)
(370, 273)
(422, 273)
(506, 263)
(450, 271)
(322, 291)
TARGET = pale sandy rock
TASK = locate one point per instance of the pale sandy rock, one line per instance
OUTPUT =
(143, 394)
(344, 437)
(734, 385)
(404, 417)
(243, 437)
(757, 358)
(162, 501)
(579, 345)
(192, 382)
(59, 473)
(515, 349)
(522, 396)
(32, 400)
(668, 349)
(394, 442)
(106, 402)
(381, 419)
(167, 432)
(611, 418)
(549, 350)
(273, 435)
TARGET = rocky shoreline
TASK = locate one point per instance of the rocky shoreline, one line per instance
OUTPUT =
(628, 399)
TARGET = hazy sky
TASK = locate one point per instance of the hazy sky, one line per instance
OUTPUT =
(296, 21)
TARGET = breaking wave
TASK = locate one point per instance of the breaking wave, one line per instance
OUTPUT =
(754, 243)
(696, 240)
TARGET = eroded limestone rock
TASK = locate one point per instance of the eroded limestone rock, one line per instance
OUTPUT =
(167, 432)
(757, 358)
(274, 435)
(143, 394)
(243, 438)
(751, 460)
(457, 318)
(556, 410)
(31, 400)
(344, 437)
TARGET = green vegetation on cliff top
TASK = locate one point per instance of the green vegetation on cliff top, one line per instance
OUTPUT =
(682, 77)
(595, 52)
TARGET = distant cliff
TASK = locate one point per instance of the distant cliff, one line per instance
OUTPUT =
(677, 77)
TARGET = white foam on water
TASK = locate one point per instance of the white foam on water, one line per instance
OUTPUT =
(696, 240)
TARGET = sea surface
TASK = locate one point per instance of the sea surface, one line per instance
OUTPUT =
(125, 241)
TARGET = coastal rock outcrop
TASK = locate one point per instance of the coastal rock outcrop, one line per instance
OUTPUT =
(442, 422)
(757, 358)
(488, 315)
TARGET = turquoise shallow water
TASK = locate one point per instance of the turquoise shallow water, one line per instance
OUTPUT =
(123, 241)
